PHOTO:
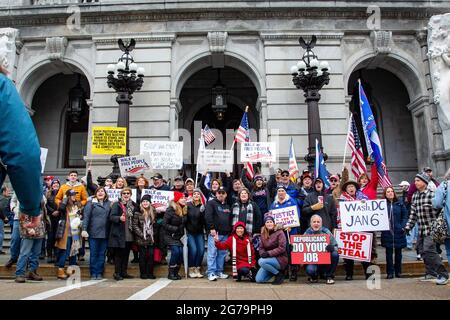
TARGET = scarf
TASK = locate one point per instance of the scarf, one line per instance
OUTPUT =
(233, 258)
(129, 210)
(148, 229)
(75, 232)
(240, 207)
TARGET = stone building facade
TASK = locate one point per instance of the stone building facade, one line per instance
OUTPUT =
(400, 50)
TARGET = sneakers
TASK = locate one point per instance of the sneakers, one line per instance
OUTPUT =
(441, 281)
(427, 278)
(313, 280)
(212, 277)
(192, 272)
(222, 275)
(419, 258)
(330, 280)
(199, 273)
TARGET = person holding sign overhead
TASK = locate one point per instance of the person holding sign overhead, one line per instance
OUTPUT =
(313, 270)
(273, 253)
(395, 238)
(320, 203)
(351, 192)
(369, 186)
(283, 200)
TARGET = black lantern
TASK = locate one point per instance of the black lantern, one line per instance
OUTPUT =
(77, 102)
(219, 98)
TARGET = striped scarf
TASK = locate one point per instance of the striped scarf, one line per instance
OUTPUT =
(240, 207)
(233, 258)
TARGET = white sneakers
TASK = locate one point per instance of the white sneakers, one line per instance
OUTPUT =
(212, 277)
(222, 276)
(441, 281)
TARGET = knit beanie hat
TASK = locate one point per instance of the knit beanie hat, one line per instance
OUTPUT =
(177, 196)
(268, 217)
(423, 177)
(146, 197)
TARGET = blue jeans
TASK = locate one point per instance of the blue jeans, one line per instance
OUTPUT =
(97, 256)
(312, 270)
(15, 241)
(62, 255)
(196, 247)
(176, 255)
(216, 258)
(269, 268)
(30, 249)
(412, 236)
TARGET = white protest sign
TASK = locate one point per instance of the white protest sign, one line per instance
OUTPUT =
(134, 164)
(258, 152)
(369, 215)
(288, 216)
(160, 198)
(114, 194)
(354, 245)
(216, 160)
(44, 153)
(164, 155)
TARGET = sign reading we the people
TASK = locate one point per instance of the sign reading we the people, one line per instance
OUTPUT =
(164, 155)
(288, 217)
(159, 198)
(109, 140)
(354, 245)
(211, 160)
(359, 216)
(310, 249)
(134, 164)
(258, 152)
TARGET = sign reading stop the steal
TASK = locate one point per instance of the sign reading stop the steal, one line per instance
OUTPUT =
(310, 249)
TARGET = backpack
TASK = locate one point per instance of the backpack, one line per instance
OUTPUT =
(439, 227)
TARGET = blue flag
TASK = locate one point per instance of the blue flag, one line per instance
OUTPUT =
(320, 169)
(372, 139)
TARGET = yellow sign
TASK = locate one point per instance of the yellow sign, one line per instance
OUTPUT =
(109, 140)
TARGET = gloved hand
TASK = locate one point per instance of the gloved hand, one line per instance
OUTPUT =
(317, 206)
(330, 248)
(406, 231)
(84, 234)
(264, 255)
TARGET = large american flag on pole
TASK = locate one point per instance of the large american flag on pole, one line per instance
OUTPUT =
(358, 165)
(293, 167)
(243, 135)
(208, 135)
(372, 138)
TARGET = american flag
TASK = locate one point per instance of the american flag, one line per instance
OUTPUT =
(293, 167)
(243, 135)
(208, 135)
(358, 165)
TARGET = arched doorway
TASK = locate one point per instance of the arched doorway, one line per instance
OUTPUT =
(196, 101)
(388, 98)
(64, 134)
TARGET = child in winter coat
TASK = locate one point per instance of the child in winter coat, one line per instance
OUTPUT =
(242, 252)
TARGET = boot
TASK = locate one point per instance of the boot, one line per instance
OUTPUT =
(62, 274)
(32, 275)
(177, 269)
(293, 275)
(198, 272)
(279, 278)
(172, 275)
(192, 272)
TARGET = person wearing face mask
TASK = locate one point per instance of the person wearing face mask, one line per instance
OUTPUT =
(174, 222)
(351, 192)
(121, 236)
(394, 240)
(313, 270)
(242, 253)
(321, 204)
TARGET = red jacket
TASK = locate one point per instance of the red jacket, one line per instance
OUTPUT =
(370, 190)
(241, 247)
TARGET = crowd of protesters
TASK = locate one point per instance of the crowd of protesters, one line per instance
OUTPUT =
(231, 217)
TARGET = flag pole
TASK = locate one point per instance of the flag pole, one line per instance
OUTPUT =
(346, 141)
(234, 141)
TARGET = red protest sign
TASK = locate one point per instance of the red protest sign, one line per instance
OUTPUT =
(354, 245)
(310, 249)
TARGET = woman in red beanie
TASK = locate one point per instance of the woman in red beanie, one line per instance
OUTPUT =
(174, 221)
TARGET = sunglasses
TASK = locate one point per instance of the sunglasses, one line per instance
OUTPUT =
(333, 180)
(285, 175)
(124, 193)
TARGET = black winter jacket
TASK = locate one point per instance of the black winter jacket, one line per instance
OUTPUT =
(218, 217)
(195, 223)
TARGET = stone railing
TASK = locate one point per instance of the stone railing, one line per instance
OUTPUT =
(60, 2)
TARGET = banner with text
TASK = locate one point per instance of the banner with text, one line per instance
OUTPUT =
(109, 140)
(215, 160)
(369, 215)
(287, 217)
(159, 198)
(258, 152)
(354, 245)
(164, 155)
(114, 194)
(134, 164)
(310, 249)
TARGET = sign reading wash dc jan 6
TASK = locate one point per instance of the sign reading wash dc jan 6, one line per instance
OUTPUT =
(369, 215)
(164, 155)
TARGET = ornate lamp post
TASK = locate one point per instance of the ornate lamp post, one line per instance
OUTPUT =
(125, 78)
(310, 76)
